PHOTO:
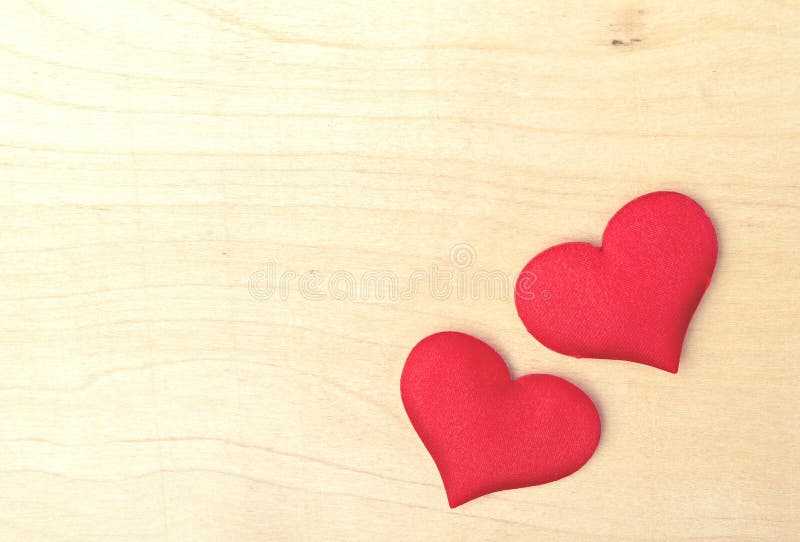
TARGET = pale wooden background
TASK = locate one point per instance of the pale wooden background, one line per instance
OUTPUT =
(155, 155)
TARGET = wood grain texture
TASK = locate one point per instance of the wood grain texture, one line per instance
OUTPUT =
(156, 158)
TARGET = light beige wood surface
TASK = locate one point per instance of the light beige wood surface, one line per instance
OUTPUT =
(157, 159)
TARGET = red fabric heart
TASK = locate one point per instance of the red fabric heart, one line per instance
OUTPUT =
(633, 297)
(486, 432)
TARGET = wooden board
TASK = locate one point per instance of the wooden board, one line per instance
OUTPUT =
(162, 162)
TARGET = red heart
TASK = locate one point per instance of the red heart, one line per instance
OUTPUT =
(633, 297)
(486, 432)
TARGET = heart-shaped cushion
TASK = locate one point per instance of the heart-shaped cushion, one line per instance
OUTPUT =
(633, 297)
(487, 432)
